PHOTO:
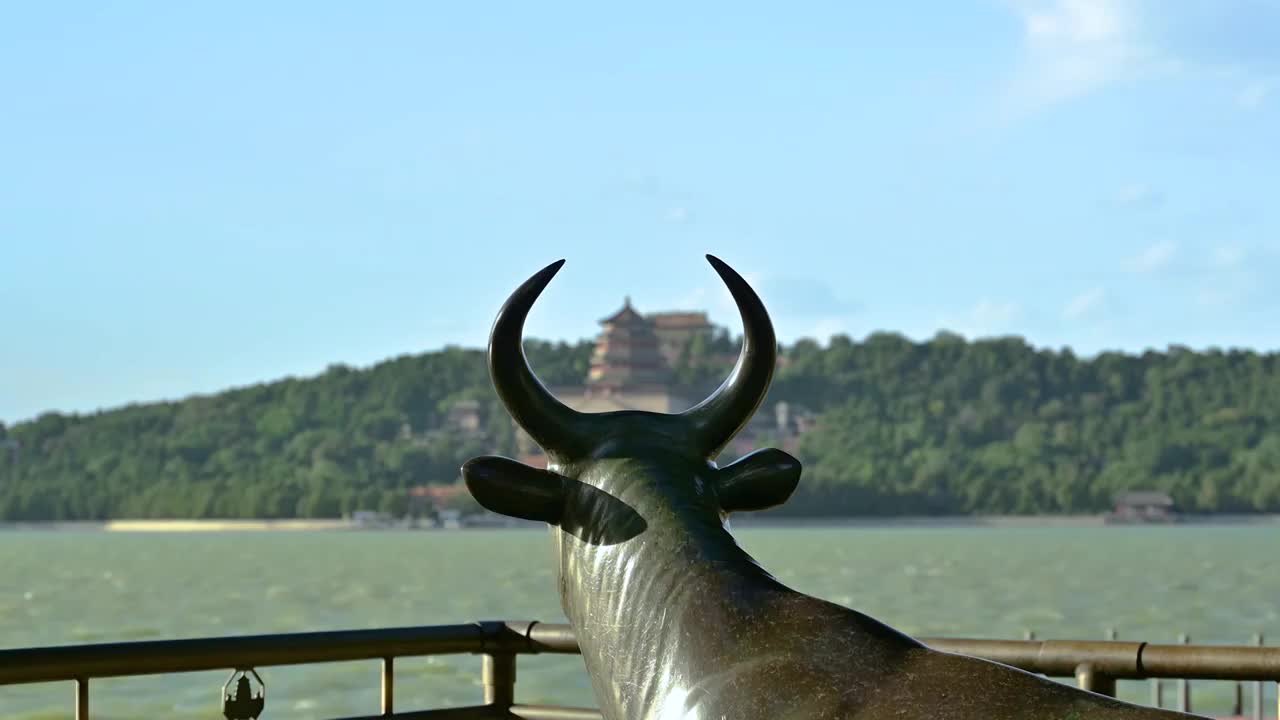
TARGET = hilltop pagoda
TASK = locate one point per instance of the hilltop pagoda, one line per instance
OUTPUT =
(626, 356)
(629, 371)
(632, 369)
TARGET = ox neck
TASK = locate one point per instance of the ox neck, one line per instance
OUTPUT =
(634, 600)
(683, 548)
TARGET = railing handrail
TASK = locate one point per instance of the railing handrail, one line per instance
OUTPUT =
(1123, 660)
(153, 657)
(1095, 664)
(1059, 658)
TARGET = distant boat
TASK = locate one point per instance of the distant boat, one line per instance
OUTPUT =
(490, 520)
(368, 519)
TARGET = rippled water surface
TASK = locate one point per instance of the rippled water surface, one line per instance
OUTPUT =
(1218, 584)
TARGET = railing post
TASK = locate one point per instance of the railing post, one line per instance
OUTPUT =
(498, 675)
(1184, 685)
(1157, 693)
(82, 698)
(388, 685)
(1089, 679)
(1257, 686)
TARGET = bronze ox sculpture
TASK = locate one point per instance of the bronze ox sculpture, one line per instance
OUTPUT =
(676, 621)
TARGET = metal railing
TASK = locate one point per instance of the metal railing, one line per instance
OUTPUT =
(1096, 665)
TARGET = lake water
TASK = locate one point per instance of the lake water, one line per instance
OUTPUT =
(1218, 584)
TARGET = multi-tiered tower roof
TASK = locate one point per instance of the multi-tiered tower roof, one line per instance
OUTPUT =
(630, 368)
(627, 355)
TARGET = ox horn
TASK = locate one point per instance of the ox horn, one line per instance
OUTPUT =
(552, 424)
(718, 418)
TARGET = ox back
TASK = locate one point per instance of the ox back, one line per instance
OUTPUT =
(674, 619)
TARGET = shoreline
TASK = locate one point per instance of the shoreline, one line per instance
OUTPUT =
(993, 521)
(737, 522)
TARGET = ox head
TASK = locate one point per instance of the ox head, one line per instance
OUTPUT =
(666, 460)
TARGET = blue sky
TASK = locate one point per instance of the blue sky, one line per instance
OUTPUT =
(194, 197)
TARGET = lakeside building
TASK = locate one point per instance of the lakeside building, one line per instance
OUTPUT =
(675, 330)
(465, 418)
(1141, 506)
(433, 499)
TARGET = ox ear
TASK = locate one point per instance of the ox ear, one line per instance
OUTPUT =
(759, 481)
(511, 488)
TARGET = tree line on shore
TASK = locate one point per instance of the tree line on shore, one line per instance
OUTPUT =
(945, 426)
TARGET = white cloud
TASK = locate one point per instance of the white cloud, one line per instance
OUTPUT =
(699, 297)
(1227, 256)
(984, 319)
(1074, 21)
(800, 306)
(677, 215)
(1213, 298)
(1084, 304)
(822, 329)
(1154, 257)
(1234, 277)
(1138, 194)
(1073, 47)
(715, 299)
(1253, 94)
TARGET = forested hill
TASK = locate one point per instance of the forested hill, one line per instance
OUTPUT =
(945, 426)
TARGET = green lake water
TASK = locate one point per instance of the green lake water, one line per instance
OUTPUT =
(1218, 584)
